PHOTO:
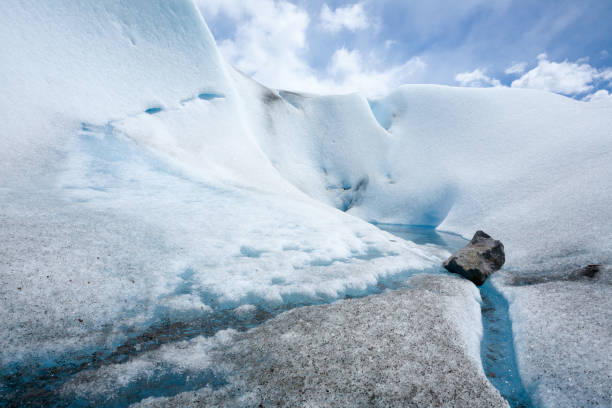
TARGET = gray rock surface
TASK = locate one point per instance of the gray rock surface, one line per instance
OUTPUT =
(417, 347)
(478, 260)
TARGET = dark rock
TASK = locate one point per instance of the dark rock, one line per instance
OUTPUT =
(590, 270)
(270, 97)
(478, 260)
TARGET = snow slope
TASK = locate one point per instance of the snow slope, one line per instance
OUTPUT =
(134, 190)
(143, 179)
(94, 61)
(532, 168)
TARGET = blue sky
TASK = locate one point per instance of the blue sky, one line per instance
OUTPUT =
(373, 46)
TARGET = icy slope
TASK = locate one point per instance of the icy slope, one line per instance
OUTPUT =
(133, 190)
(508, 161)
(142, 180)
(94, 61)
(499, 159)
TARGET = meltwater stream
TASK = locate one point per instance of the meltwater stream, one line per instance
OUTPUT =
(497, 346)
(43, 383)
(41, 387)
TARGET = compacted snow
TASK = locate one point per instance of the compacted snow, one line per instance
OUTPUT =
(562, 335)
(112, 209)
(411, 347)
(144, 180)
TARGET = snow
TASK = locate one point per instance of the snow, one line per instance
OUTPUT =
(417, 346)
(142, 194)
(562, 334)
(531, 168)
(503, 160)
(143, 179)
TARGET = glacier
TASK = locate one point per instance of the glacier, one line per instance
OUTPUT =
(145, 180)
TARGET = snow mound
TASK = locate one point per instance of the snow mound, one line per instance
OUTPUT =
(504, 160)
(521, 162)
(64, 62)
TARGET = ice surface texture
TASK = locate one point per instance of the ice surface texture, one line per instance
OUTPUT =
(505, 161)
(138, 191)
(143, 179)
(124, 240)
(400, 349)
(562, 338)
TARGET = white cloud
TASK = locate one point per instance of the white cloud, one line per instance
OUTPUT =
(476, 78)
(270, 43)
(348, 72)
(517, 68)
(606, 74)
(232, 8)
(389, 44)
(269, 39)
(601, 95)
(351, 17)
(345, 62)
(569, 78)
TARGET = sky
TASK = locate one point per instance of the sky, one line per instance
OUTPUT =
(374, 46)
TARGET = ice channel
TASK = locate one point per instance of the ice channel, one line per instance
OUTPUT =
(40, 383)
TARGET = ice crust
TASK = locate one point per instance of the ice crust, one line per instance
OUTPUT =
(401, 348)
(562, 331)
(501, 160)
(136, 191)
(142, 178)
(142, 244)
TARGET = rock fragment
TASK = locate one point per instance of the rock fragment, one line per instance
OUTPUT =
(478, 259)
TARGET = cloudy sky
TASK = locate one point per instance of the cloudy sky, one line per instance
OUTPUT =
(373, 46)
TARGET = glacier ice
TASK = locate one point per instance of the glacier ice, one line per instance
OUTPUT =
(144, 179)
(562, 334)
(412, 347)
